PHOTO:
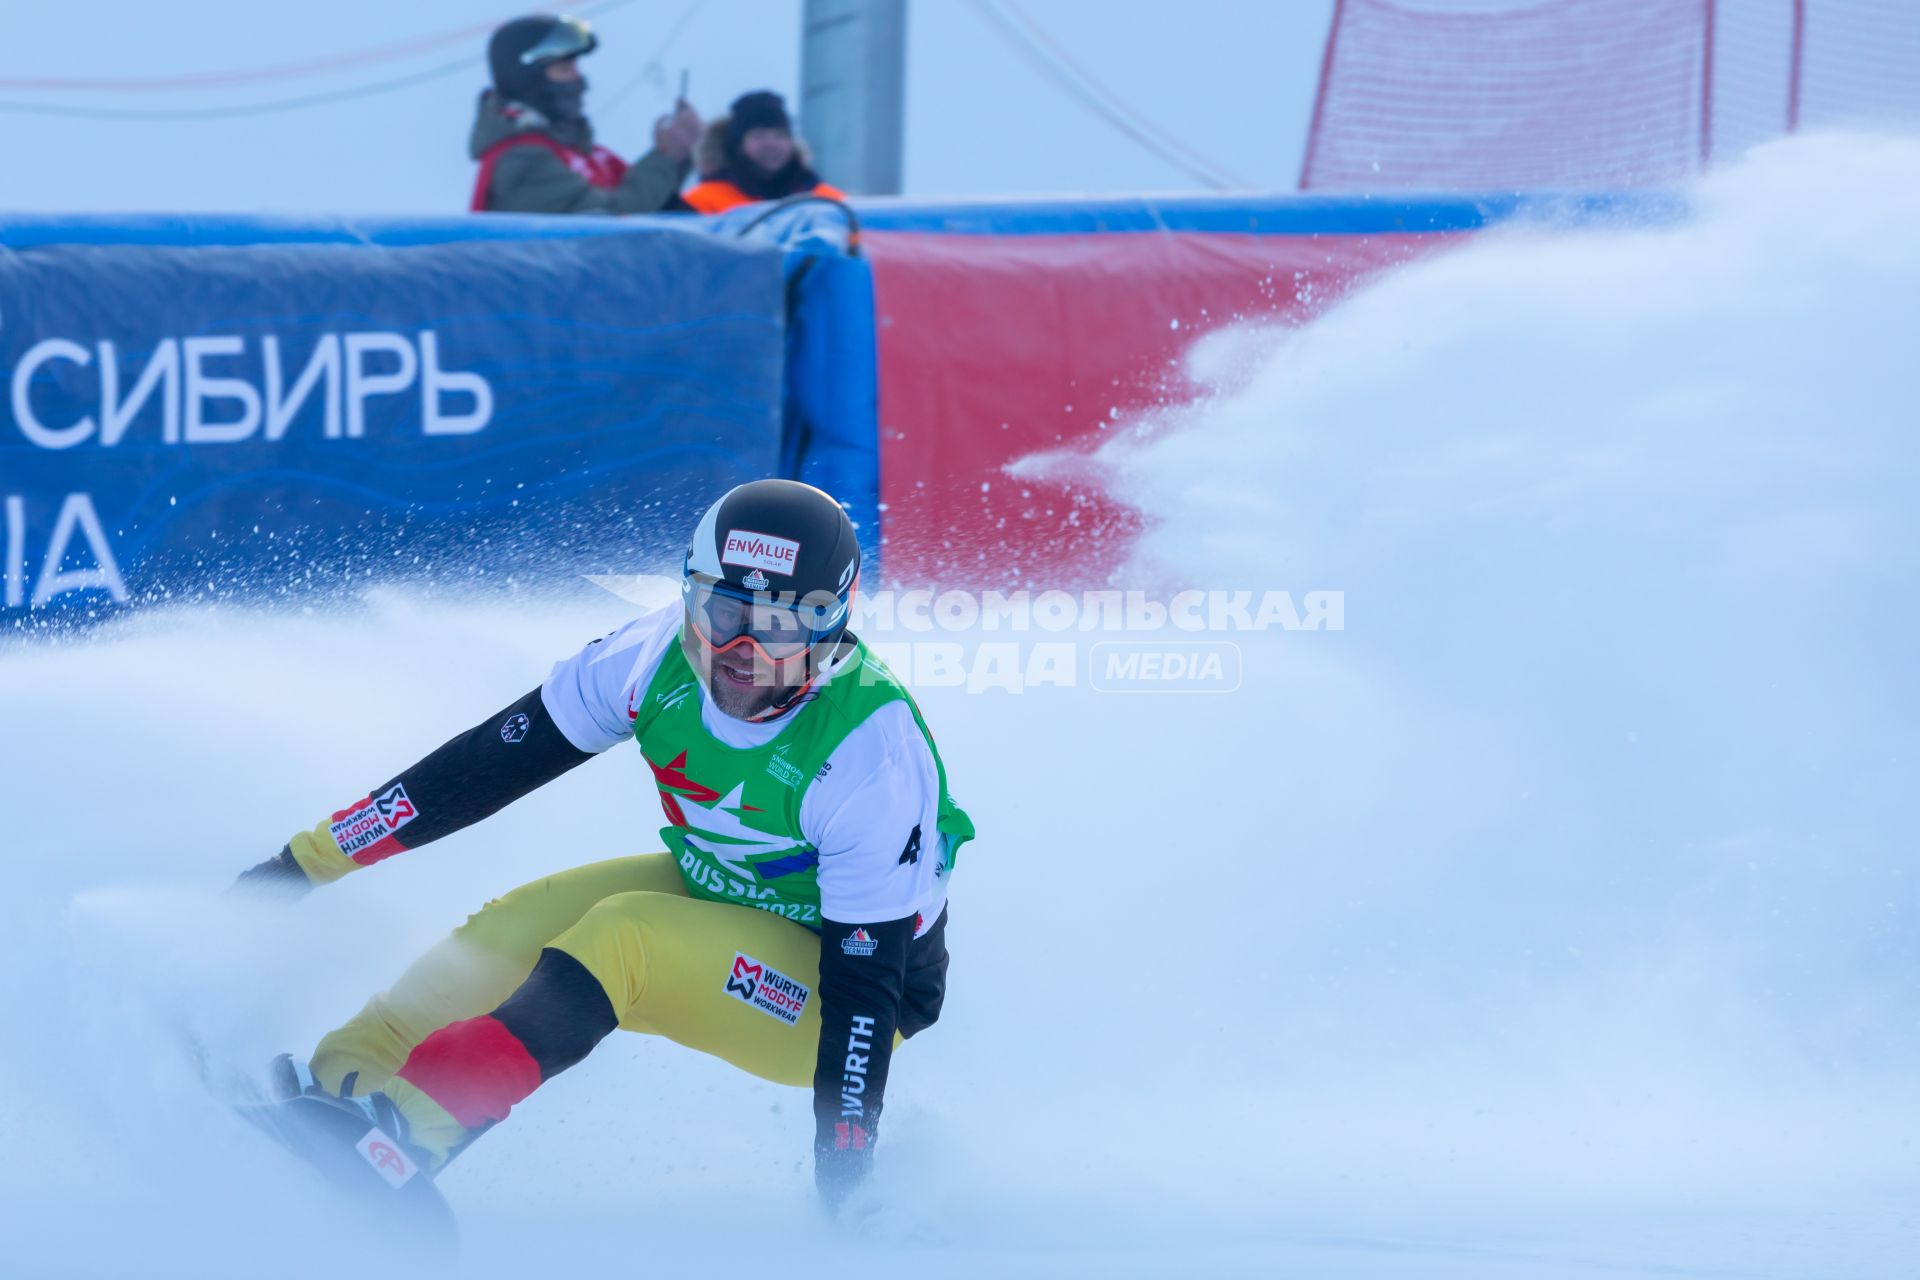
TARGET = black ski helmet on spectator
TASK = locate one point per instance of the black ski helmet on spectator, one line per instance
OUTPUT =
(519, 51)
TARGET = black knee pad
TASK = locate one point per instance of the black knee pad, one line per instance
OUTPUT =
(559, 1013)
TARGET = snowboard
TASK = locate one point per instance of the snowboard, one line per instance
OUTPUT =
(368, 1171)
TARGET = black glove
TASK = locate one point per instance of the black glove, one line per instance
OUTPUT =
(840, 1171)
(278, 878)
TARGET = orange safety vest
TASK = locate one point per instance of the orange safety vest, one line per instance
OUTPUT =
(600, 167)
(720, 196)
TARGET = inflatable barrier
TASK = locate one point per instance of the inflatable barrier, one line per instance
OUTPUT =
(262, 408)
(1010, 329)
(242, 420)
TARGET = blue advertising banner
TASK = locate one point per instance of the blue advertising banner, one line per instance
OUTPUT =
(265, 421)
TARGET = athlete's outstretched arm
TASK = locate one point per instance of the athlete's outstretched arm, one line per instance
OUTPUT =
(467, 778)
(863, 977)
(584, 708)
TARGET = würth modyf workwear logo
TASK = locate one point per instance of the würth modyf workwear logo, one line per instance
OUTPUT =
(766, 989)
(365, 831)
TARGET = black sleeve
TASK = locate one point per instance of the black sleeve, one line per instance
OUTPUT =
(863, 975)
(485, 769)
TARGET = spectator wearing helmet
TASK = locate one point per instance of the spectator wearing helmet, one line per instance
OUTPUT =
(534, 142)
(759, 158)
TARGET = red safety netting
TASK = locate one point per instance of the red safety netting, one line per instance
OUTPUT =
(1753, 43)
(1783, 65)
(1453, 95)
(1860, 63)
(1530, 94)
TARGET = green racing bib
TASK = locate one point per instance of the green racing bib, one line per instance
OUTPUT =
(734, 812)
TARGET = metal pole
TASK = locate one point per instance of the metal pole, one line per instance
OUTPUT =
(853, 85)
(1795, 65)
(1706, 88)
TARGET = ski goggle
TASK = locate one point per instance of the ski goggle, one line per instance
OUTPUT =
(570, 38)
(725, 617)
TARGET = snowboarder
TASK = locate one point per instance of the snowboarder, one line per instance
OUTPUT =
(795, 925)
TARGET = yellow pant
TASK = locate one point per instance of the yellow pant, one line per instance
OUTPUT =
(667, 962)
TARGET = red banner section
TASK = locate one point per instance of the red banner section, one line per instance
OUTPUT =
(995, 348)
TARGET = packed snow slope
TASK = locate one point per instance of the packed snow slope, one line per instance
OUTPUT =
(1553, 918)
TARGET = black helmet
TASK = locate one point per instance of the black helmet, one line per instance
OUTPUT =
(775, 562)
(519, 52)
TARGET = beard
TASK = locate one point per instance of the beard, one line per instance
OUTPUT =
(741, 682)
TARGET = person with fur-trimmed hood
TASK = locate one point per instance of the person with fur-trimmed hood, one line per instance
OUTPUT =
(752, 155)
(534, 142)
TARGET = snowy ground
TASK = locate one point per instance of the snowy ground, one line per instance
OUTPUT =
(1554, 918)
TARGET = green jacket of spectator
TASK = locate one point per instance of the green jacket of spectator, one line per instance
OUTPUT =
(540, 178)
